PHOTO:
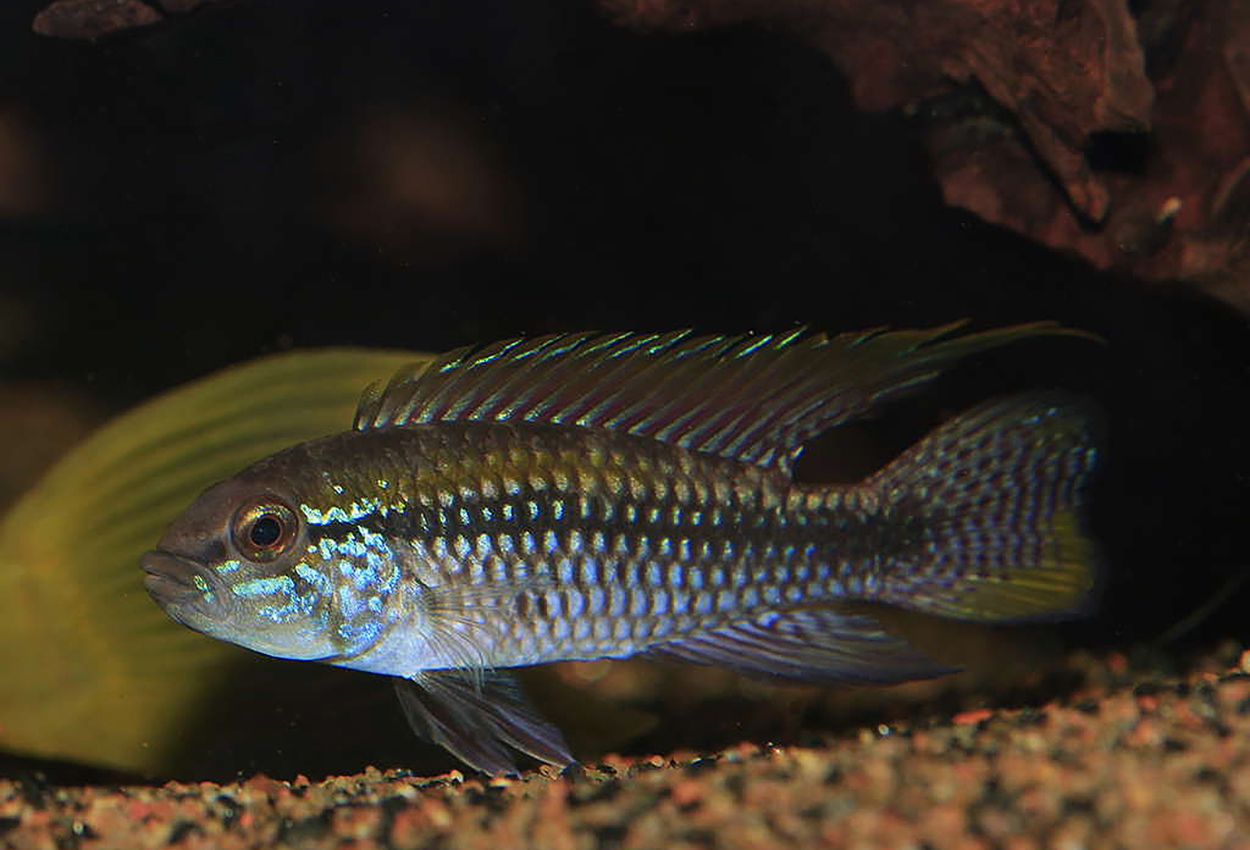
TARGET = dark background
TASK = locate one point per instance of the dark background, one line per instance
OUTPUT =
(428, 174)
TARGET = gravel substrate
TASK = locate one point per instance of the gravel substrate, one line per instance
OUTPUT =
(1126, 761)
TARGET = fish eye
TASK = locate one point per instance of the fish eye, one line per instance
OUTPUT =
(264, 529)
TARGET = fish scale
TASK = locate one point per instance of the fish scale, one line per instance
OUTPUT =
(646, 554)
(585, 495)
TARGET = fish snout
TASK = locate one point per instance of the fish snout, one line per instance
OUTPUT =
(174, 582)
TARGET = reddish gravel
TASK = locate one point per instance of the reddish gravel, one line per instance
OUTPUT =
(1127, 761)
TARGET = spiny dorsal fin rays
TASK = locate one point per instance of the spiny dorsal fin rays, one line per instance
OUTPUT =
(752, 397)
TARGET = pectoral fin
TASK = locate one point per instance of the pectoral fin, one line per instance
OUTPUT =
(475, 716)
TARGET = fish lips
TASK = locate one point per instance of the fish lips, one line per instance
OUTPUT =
(171, 582)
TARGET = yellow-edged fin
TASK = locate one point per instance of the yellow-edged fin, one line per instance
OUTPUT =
(996, 496)
(93, 670)
(1062, 583)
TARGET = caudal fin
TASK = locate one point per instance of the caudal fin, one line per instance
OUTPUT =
(993, 502)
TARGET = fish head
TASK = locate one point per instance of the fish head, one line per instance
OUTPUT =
(236, 566)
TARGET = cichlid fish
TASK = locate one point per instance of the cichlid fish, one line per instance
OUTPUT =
(585, 496)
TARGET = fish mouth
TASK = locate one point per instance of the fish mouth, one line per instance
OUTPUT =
(171, 581)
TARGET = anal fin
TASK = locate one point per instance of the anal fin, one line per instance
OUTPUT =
(817, 645)
(477, 716)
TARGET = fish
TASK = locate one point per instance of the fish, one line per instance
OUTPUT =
(93, 672)
(590, 495)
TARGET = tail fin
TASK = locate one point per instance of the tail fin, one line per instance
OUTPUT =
(996, 493)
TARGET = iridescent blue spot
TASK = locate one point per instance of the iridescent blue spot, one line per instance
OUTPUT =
(264, 586)
(349, 603)
(616, 601)
(653, 575)
(321, 583)
(362, 634)
(638, 602)
(372, 539)
(351, 547)
(227, 567)
(595, 602)
(336, 514)
(620, 544)
(659, 602)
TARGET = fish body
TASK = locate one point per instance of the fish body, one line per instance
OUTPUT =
(584, 496)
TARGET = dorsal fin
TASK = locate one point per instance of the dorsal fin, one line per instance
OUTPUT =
(753, 397)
